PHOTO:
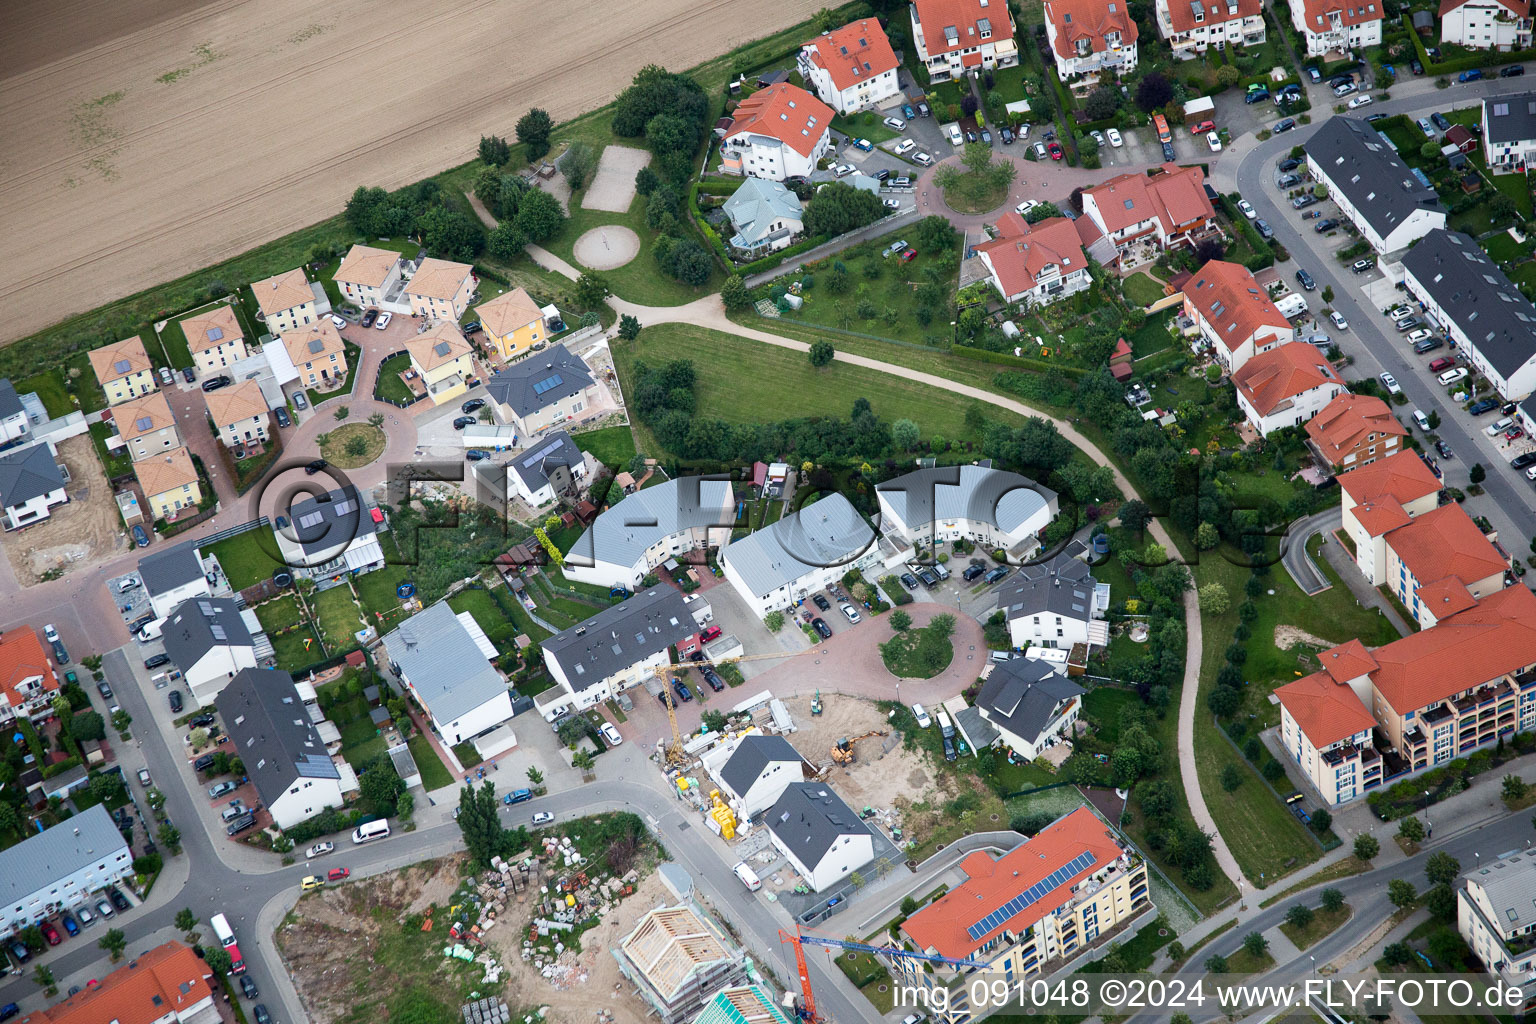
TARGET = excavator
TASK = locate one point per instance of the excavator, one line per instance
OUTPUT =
(842, 750)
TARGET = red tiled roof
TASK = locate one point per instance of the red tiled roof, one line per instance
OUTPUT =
(1401, 475)
(1091, 20)
(1021, 251)
(1347, 421)
(22, 657)
(1232, 302)
(1325, 711)
(1493, 637)
(1349, 660)
(1182, 15)
(784, 112)
(1274, 377)
(1351, 12)
(854, 53)
(1445, 542)
(167, 979)
(992, 883)
(934, 16)
(1174, 198)
(1519, 10)
(1446, 597)
(1379, 516)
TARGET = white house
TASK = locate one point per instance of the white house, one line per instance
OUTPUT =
(1372, 186)
(1324, 727)
(989, 507)
(616, 649)
(1486, 24)
(754, 771)
(1509, 130)
(1485, 316)
(1494, 914)
(766, 215)
(1036, 264)
(368, 276)
(1337, 26)
(960, 37)
(30, 485)
(1285, 386)
(445, 661)
(1234, 313)
(1055, 604)
(650, 526)
(331, 535)
(778, 132)
(1030, 704)
(173, 575)
(61, 868)
(800, 554)
(209, 640)
(283, 754)
(1193, 26)
(1088, 37)
(851, 68)
(552, 468)
(15, 425)
(1161, 210)
(823, 838)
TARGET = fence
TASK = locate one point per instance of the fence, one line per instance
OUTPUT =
(235, 531)
(884, 226)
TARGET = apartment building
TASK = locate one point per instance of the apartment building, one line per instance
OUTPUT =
(851, 68)
(1091, 37)
(988, 507)
(1156, 211)
(1338, 26)
(1355, 430)
(1036, 264)
(1193, 26)
(960, 37)
(1234, 313)
(1285, 386)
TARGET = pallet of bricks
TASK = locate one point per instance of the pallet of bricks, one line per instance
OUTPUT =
(487, 1011)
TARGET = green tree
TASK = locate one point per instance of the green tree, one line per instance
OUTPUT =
(1231, 777)
(1441, 902)
(494, 150)
(1135, 515)
(535, 777)
(774, 620)
(533, 130)
(900, 620)
(1402, 893)
(10, 819)
(646, 180)
(1227, 75)
(577, 165)
(1299, 916)
(1213, 599)
(713, 720)
(1332, 900)
(43, 975)
(905, 434)
(114, 942)
(1322, 820)
(1216, 964)
(734, 294)
(1206, 535)
(1366, 847)
(218, 960)
(1411, 829)
(839, 208)
(1327, 293)
(582, 760)
(1102, 103)
(1441, 868)
(1127, 765)
(1514, 787)
(590, 291)
(821, 353)
(505, 242)
(539, 216)
(629, 327)
(108, 789)
(186, 921)
(169, 836)
(381, 784)
(478, 822)
(1477, 474)
(1255, 945)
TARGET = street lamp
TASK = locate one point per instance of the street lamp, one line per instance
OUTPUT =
(1314, 966)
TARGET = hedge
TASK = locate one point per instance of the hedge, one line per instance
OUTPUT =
(983, 355)
(1486, 59)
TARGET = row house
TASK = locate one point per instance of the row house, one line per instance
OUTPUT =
(1234, 313)
(1036, 264)
(1160, 210)
(1372, 186)
(960, 37)
(1090, 37)
(1509, 130)
(1193, 26)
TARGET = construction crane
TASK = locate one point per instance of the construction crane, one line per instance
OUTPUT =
(807, 1011)
(675, 757)
(842, 750)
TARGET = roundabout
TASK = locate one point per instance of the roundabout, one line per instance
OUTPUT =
(607, 247)
(353, 445)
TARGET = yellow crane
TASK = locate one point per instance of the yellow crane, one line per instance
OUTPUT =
(675, 757)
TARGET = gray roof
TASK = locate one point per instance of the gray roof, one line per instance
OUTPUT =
(1510, 885)
(1369, 173)
(171, 568)
(1006, 500)
(42, 859)
(27, 474)
(1061, 585)
(324, 521)
(533, 465)
(1022, 696)
(10, 402)
(198, 625)
(825, 533)
(757, 204)
(622, 534)
(618, 637)
(542, 379)
(809, 818)
(1510, 118)
(752, 755)
(271, 732)
(443, 662)
(1474, 292)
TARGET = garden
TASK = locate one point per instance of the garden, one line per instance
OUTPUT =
(920, 653)
(352, 445)
(389, 387)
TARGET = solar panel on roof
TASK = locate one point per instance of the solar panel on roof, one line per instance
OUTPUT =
(218, 632)
(542, 453)
(343, 507)
(1030, 896)
(143, 423)
(547, 384)
(205, 608)
(122, 366)
(442, 348)
(316, 345)
(312, 519)
(215, 333)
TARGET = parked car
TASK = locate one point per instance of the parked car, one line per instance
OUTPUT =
(219, 789)
(1427, 345)
(896, 124)
(712, 678)
(239, 825)
(1314, 74)
(1327, 224)
(1499, 426)
(821, 602)
(1288, 181)
(1522, 461)
(1284, 125)
(369, 316)
(140, 536)
(1419, 334)
(261, 1014)
(157, 660)
(1168, 153)
(1425, 127)
(319, 850)
(1303, 201)
(1415, 66)
(907, 111)
(1440, 121)
(315, 466)
(1338, 320)
(972, 571)
(104, 909)
(1203, 127)
(1289, 164)
(215, 383)
(201, 721)
(1113, 135)
(849, 612)
(1473, 75)
(1265, 231)
(923, 158)
(1054, 148)
(1214, 141)
(996, 574)
(175, 699)
(611, 734)
(1247, 209)
(203, 763)
(50, 933)
(460, 422)
(337, 874)
(1390, 383)
(820, 626)
(1256, 95)
(86, 917)
(1411, 323)
(1359, 101)
(909, 581)
(1513, 71)
(1040, 151)
(68, 921)
(1444, 450)
(383, 321)
(144, 777)
(923, 721)
(681, 688)
(248, 986)
(1305, 280)
(1361, 266)
(283, 419)
(104, 689)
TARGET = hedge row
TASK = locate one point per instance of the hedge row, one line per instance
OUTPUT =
(983, 355)
(1486, 59)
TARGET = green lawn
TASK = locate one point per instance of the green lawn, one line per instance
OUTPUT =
(639, 280)
(1153, 336)
(479, 603)
(612, 446)
(1503, 248)
(1102, 706)
(279, 613)
(247, 558)
(118, 463)
(892, 292)
(434, 774)
(50, 389)
(174, 339)
(353, 356)
(337, 616)
(917, 653)
(390, 388)
(1514, 186)
(1323, 923)
(729, 370)
(866, 125)
(1142, 290)
(290, 650)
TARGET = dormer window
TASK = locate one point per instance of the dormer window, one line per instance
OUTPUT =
(985, 25)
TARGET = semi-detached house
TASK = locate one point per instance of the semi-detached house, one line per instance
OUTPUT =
(1486, 24)
(1193, 26)
(1335, 26)
(209, 640)
(651, 526)
(1159, 210)
(1056, 604)
(960, 37)
(1091, 37)
(1285, 386)
(1234, 313)
(851, 68)
(1509, 130)
(284, 757)
(1036, 264)
(776, 133)
(800, 554)
(30, 485)
(1371, 185)
(616, 649)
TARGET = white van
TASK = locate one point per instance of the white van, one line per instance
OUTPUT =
(999, 657)
(221, 928)
(1452, 376)
(1421, 419)
(371, 831)
(151, 631)
(748, 877)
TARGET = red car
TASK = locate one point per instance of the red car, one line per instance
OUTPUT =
(908, 255)
(51, 933)
(336, 874)
(1055, 150)
(1203, 127)
(709, 634)
(1513, 434)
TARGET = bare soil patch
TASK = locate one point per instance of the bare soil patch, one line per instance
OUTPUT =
(115, 98)
(613, 186)
(85, 531)
(884, 769)
(606, 247)
(1288, 636)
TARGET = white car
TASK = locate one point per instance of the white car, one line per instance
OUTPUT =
(1399, 313)
(1338, 320)
(319, 850)
(1023, 132)
(383, 321)
(849, 612)
(923, 721)
(1345, 89)
(1214, 141)
(842, 170)
(1390, 383)
(1023, 208)
(126, 584)
(338, 321)
(896, 124)
(543, 818)
(1422, 334)
(50, 634)
(1098, 137)
(1359, 101)
(923, 158)
(1113, 134)
(611, 734)
(144, 777)
(1248, 210)
(906, 146)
